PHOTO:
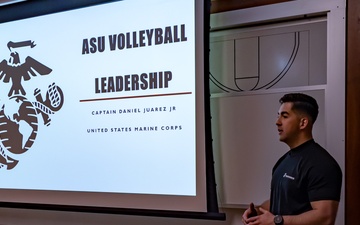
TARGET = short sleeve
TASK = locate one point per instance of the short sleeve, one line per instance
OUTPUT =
(324, 181)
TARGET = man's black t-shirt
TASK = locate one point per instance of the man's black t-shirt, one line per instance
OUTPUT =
(305, 174)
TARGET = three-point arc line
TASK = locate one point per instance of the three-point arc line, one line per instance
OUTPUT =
(137, 96)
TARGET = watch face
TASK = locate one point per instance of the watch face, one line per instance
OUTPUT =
(278, 219)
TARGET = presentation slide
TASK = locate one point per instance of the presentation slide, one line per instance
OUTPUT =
(100, 99)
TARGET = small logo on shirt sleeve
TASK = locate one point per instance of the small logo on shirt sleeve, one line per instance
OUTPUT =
(289, 177)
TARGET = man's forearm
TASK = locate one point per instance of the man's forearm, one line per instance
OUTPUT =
(266, 205)
(323, 213)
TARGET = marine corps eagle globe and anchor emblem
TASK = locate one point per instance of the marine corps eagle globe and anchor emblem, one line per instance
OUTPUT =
(18, 115)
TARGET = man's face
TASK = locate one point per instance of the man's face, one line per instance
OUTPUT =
(288, 124)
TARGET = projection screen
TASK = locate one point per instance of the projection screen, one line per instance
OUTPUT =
(102, 105)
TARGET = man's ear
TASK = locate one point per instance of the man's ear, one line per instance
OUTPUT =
(304, 122)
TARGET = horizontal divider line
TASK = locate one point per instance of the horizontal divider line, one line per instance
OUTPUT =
(137, 96)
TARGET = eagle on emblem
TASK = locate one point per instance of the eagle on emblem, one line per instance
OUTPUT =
(16, 71)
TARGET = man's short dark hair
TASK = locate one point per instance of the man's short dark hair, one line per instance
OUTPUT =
(302, 103)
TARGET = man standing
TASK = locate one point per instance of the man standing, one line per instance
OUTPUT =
(306, 181)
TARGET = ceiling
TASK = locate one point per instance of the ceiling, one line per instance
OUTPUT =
(227, 5)
(7, 2)
(216, 5)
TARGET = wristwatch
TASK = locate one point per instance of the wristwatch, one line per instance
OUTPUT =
(278, 220)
